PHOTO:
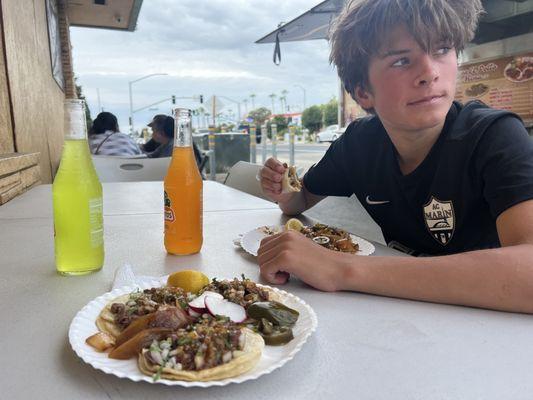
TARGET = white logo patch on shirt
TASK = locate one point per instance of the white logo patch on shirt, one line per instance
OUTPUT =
(440, 220)
(375, 202)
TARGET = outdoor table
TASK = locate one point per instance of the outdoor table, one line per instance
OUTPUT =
(365, 347)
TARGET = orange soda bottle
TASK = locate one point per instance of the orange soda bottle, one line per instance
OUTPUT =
(183, 192)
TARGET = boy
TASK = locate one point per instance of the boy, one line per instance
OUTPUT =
(443, 179)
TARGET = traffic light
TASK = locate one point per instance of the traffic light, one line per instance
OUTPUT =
(173, 99)
(201, 99)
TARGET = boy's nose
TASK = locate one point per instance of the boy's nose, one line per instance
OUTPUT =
(428, 71)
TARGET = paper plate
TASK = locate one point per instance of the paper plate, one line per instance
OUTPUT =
(273, 357)
(250, 241)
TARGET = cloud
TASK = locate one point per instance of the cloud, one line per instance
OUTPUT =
(206, 47)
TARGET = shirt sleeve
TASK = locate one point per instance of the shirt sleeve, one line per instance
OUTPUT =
(328, 176)
(505, 163)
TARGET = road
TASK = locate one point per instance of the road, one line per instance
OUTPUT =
(305, 154)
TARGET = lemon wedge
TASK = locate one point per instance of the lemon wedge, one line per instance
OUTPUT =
(189, 280)
(294, 224)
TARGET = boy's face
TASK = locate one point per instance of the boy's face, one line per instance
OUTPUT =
(410, 90)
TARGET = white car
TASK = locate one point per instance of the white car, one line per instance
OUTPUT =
(330, 134)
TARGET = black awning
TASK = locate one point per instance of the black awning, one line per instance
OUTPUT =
(311, 25)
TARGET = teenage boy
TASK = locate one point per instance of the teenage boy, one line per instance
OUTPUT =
(447, 180)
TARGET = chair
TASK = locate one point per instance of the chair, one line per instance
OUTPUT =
(117, 169)
(243, 176)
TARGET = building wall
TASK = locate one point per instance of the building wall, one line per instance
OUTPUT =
(6, 131)
(36, 98)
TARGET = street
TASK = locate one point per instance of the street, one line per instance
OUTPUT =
(305, 154)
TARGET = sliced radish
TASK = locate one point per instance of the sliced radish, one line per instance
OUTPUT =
(216, 306)
(194, 314)
(198, 304)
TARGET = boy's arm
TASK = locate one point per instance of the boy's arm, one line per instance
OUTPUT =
(499, 279)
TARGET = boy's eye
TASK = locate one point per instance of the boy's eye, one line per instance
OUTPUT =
(443, 50)
(401, 62)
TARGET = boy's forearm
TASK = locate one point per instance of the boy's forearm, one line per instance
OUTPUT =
(296, 204)
(499, 279)
(299, 202)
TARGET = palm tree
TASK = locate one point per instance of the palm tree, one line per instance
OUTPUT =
(245, 101)
(284, 93)
(282, 102)
(272, 97)
(252, 96)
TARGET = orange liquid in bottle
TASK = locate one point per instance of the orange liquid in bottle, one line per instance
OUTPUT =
(183, 204)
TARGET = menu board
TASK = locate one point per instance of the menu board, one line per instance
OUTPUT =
(505, 83)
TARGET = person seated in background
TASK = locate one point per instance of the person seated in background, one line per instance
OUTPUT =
(162, 142)
(105, 138)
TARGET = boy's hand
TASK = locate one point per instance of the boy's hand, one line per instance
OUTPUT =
(290, 252)
(270, 177)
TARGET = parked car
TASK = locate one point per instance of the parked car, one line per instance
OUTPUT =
(330, 134)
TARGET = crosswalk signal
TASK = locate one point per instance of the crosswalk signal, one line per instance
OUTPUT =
(173, 99)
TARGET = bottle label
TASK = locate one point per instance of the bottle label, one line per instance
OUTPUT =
(96, 222)
(169, 213)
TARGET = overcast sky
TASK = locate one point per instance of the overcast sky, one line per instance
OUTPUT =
(206, 47)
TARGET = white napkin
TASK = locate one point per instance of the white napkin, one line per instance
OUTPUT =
(124, 276)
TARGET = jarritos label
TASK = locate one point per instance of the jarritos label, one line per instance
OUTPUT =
(169, 213)
(440, 220)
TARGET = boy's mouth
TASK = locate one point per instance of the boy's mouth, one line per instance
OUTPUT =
(426, 100)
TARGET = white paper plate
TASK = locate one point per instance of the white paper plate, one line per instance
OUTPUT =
(83, 325)
(250, 241)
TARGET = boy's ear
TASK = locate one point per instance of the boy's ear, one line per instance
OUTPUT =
(363, 97)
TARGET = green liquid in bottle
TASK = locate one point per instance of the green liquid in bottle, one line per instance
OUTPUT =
(78, 216)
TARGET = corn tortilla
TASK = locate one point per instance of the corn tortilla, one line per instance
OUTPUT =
(245, 361)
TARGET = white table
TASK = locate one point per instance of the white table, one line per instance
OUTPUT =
(366, 347)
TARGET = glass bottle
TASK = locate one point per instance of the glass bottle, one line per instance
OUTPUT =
(183, 201)
(77, 198)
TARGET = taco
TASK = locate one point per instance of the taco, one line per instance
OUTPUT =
(290, 181)
(212, 349)
(119, 313)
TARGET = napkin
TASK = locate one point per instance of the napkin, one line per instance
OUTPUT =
(124, 276)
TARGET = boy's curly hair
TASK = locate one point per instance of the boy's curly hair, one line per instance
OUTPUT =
(364, 26)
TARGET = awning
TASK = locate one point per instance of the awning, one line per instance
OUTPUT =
(311, 25)
(106, 14)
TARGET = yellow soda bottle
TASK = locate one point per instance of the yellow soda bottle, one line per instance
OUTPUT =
(77, 198)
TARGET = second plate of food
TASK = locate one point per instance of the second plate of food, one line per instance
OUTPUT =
(324, 235)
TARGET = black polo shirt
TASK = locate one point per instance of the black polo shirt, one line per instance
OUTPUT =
(481, 164)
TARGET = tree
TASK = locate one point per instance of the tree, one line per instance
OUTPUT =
(81, 96)
(331, 114)
(272, 97)
(260, 115)
(312, 118)
(252, 96)
(281, 122)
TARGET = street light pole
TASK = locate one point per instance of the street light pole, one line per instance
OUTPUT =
(303, 90)
(130, 83)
